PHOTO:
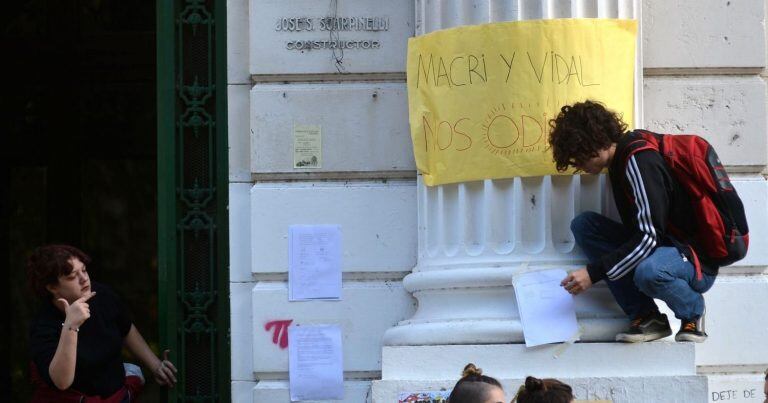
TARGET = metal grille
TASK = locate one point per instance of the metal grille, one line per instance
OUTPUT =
(198, 295)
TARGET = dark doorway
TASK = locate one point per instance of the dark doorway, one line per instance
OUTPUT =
(79, 145)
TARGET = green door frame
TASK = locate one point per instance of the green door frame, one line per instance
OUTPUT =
(192, 177)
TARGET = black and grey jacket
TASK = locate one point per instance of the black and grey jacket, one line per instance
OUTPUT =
(649, 199)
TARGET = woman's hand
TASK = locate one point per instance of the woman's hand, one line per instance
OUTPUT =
(78, 312)
(165, 372)
(577, 281)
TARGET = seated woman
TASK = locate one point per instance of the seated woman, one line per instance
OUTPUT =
(547, 390)
(474, 387)
(77, 337)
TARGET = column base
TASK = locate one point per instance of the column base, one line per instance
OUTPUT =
(477, 305)
(490, 331)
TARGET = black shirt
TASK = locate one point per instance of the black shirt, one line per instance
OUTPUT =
(648, 199)
(99, 368)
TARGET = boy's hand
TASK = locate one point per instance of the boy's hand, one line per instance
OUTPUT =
(577, 281)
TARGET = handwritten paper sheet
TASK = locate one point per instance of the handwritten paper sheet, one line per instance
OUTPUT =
(546, 309)
(314, 262)
(315, 362)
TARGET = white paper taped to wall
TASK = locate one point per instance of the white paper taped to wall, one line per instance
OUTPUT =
(315, 362)
(314, 262)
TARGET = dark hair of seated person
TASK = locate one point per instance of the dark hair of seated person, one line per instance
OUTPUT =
(47, 263)
(473, 386)
(548, 390)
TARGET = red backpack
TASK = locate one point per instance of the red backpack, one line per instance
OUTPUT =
(723, 235)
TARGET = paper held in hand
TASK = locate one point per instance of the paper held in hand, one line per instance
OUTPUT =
(547, 311)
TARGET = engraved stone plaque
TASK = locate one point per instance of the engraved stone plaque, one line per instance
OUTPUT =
(332, 36)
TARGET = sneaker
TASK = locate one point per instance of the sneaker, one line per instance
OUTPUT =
(648, 327)
(692, 330)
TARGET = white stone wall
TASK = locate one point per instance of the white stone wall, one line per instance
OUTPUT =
(704, 72)
(366, 185)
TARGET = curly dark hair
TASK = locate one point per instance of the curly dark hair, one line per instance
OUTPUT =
(473, 386)
(548, 390)
(47, 263)
(581, 130)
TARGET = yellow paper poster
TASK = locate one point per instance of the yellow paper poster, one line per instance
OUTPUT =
(480, 97)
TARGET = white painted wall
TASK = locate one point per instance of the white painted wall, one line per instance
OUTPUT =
(366, 185)
(704, 73)
(362, 125)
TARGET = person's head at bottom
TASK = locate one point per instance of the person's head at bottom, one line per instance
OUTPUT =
(474, 387)
(765, 386)
(547, 390)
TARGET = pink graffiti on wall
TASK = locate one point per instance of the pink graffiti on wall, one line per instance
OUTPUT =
(280, 334)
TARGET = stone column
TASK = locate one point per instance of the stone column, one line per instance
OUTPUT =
(474, 236)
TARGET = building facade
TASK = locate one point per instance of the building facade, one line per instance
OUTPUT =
(425, 276)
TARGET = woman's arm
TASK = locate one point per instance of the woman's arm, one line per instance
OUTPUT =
(164, 371)
(62, 368)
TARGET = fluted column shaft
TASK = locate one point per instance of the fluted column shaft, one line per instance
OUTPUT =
(474, 236)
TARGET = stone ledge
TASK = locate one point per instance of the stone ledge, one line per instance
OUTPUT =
(556, 360)
(617, 389)
(355, 391)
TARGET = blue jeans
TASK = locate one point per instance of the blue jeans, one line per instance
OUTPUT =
(664, 275)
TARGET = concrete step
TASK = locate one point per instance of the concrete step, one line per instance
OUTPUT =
(621, 373)
(553, 360)
(615, 389)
